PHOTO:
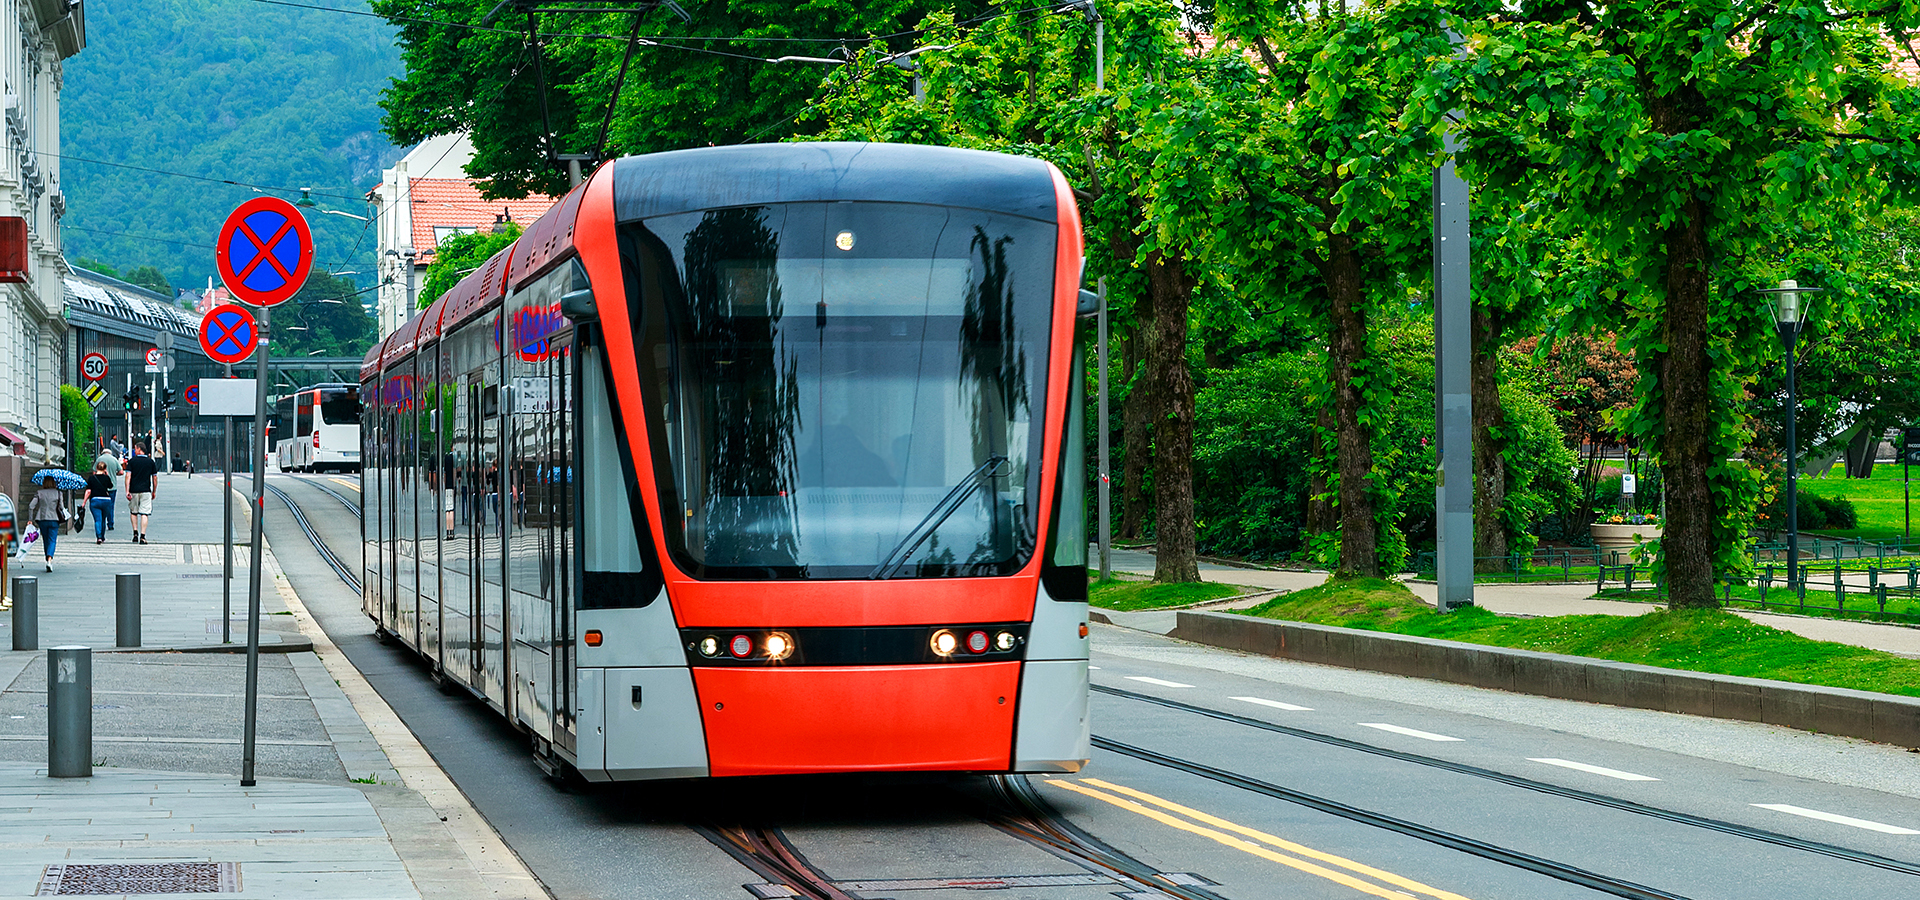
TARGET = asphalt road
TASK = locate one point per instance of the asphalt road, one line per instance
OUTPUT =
(1439, 759)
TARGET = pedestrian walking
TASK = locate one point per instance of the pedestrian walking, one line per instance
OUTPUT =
(99, 499)
(48, 511)
(142, 484)
(111, 461)
(119, 449)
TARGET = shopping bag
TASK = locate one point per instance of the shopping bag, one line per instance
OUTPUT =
(32, 534)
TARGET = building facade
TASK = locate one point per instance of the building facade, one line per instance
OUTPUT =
(425, 199)
(34, 355)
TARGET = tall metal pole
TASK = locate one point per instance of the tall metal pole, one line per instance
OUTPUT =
(1453, 385)
(261, 360)
(226, 563)
(166, 420)
(1790, 335)
(1106, 471)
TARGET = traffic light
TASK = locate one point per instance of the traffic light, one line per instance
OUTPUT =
(166, 398)
(132, 400)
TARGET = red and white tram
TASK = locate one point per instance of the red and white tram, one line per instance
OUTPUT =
(752, 460)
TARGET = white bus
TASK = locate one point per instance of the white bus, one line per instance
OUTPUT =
(324, 429)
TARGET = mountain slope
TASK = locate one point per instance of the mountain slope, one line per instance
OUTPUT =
(268, 95)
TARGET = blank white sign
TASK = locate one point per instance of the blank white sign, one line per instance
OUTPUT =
(227, 396)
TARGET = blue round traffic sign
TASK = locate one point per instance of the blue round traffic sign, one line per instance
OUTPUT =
(227, 333)
(192, 394)
(264, 251)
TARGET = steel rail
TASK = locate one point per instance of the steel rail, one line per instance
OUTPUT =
(1732, 828)
(319, 545)
(766, 852)
(1526, 861)
(349, 504)
(1031, 818)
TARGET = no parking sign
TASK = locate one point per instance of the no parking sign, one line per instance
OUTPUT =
(264, 251)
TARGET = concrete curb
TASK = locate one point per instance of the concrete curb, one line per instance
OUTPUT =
(1886, 718)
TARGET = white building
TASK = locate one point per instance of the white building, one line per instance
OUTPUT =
(38, 37)
(424, 199)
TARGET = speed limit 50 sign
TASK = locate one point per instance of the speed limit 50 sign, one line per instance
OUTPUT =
(94, 366)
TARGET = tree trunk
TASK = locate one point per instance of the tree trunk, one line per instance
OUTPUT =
(1172, 289)
(1320, 515)
(1359, 535)
(1136, 436)
(1491, 539)
(1685, 374)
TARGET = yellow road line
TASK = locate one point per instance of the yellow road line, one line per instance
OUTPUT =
(1254, 849)
(344, 482)
(1282, 843)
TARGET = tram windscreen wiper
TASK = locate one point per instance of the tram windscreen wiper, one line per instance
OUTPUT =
(941, 512)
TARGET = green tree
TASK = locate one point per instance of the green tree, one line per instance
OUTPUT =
(326, 318)
(1710, 147)
(460, 254)
(76, 415)
(150, 278)
(709, 81)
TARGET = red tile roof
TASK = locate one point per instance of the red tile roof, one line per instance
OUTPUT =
(456, 202)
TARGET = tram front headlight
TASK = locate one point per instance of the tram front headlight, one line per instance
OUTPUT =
(945, 642)
(1004, 641)
(977, 642)
(709, 646)
(779, 645)
(741, 646)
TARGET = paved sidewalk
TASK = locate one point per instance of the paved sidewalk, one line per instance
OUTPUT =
(1514, 600)
(332, 815)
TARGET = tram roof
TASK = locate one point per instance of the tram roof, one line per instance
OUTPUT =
(754, 174)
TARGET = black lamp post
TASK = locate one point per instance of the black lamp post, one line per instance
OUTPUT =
(1790, 317)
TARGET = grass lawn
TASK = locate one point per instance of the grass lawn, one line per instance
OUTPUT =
(1693, 640)
(1128, 595)
(1877, 501)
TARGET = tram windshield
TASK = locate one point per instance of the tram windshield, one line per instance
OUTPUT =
(845, 390)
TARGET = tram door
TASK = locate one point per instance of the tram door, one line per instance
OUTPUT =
(489, 513)
(456, 603)
(530, 528)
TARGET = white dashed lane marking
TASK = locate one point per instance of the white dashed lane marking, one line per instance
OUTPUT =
(1595, 770)
(1275, 704)
(1409, 732)
(1836, 818)
(1093, 668)
(1156, 681)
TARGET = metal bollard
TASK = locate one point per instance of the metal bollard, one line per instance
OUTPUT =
(126, 608)
(69, 712)
(26, 613)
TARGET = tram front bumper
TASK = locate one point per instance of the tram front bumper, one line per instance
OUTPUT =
(931, 717)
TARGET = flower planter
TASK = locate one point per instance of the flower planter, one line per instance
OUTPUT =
(1621, 537)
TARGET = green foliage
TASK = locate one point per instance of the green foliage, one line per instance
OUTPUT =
(1251, 435)
(324, 319)
(695, 84)
(77, 414)
(224, 90)
(1880, 503)
(460, 254)
(150, 278)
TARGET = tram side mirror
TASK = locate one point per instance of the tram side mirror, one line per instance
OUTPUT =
(578, 305)
(1089, 304)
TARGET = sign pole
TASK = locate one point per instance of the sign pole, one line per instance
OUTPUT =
(226, 562)
(254, 555)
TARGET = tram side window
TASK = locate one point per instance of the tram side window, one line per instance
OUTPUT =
(609, 546)
(1065, 570)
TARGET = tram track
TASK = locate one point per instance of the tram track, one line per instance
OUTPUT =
(1524, 783)
(319, 544)
(1011, 806)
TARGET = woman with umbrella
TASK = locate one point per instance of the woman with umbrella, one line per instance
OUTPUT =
(49, 507)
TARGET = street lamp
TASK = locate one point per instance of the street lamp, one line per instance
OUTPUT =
(1790, 318)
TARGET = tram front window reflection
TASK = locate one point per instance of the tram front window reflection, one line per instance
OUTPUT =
(846, 390)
